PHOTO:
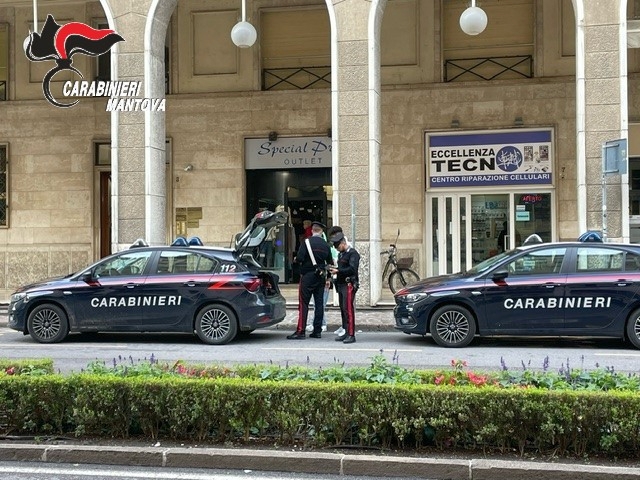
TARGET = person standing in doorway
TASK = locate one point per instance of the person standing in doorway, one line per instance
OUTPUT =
(347, 284)
(313, 256)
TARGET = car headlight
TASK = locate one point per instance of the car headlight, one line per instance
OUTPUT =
(16, 297)
(413, 297)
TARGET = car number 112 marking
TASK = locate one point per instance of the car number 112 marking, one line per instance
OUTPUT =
(227, 268)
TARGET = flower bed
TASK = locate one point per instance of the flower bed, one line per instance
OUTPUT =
(382, 405)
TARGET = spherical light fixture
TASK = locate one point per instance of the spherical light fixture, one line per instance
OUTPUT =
(243, 35)
(473, 20)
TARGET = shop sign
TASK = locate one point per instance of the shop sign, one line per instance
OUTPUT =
(287, 153)
(489, 158)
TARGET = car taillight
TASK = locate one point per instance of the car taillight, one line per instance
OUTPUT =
(252, 284)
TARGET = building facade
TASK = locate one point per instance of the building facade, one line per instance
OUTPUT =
(380, 116)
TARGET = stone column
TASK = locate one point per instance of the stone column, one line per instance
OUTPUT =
(356, 132)
(138, 138)
(601, 109)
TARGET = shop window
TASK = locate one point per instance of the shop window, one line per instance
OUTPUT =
(499, 52)
(4, 187)
(4, 60)
(102, 154)
(634, 186)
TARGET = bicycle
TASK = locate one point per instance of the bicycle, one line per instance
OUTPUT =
(400, 275)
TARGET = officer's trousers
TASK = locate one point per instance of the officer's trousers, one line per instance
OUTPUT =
(347, 297)
(311, 285)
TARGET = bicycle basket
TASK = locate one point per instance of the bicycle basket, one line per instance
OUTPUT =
(405, 262)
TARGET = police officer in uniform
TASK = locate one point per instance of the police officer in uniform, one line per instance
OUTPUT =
(312, 281)
(346, 283)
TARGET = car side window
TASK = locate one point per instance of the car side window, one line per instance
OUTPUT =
(205, 264)
(631, 262)
(127, 264)
(540, 262)
(594, 259)
(179, 262)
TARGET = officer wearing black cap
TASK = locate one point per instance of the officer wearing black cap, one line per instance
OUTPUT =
(312, 280)
(346, 283)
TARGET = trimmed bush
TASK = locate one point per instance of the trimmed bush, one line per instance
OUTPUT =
(382, 406)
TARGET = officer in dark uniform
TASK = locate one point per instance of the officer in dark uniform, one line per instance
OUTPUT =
(346, 283)
(312, 281)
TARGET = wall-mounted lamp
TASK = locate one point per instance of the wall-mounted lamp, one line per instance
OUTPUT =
(273, 136)
(243, 34)
(473, 20)
(188, 168)
(518, 121)
(455, 123)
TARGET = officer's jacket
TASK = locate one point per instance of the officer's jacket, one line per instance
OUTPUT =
(321, 251)
(348, 264)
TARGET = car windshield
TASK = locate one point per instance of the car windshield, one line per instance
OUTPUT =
(489, 263)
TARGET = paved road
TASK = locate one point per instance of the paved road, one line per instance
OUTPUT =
(35, 471)
(271, 346)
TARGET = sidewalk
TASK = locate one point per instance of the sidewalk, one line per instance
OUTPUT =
(312, 462)
(377, 318)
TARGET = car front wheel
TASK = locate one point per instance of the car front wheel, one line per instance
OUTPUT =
(633, 328)
(452, 326)
(216, 325)
(48, 323)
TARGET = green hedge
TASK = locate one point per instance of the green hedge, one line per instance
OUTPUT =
(323, 414)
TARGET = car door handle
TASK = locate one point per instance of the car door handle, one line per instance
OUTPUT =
(131, 285)
(624, 282)
(552, 285)
(190, 283)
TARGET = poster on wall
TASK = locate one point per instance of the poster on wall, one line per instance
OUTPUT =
(489, 158)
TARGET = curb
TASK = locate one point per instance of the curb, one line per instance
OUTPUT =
(313, 463)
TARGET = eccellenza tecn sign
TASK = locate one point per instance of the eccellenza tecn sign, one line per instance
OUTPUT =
(489, 158)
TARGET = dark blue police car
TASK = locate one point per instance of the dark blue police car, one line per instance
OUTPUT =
(552, 289)
(186, 287)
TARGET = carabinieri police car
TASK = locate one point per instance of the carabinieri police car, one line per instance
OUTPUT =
(186, 287)
(553, 289)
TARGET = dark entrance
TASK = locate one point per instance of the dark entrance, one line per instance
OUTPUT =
(304, 194)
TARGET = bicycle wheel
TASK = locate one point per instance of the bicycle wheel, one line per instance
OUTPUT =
(402, 277)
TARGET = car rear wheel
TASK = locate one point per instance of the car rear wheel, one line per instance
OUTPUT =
(633, 328)
(452, 326)
(216, 325)
(48, 323)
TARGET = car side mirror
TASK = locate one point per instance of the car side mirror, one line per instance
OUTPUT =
(87, 277)
(499, 275)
